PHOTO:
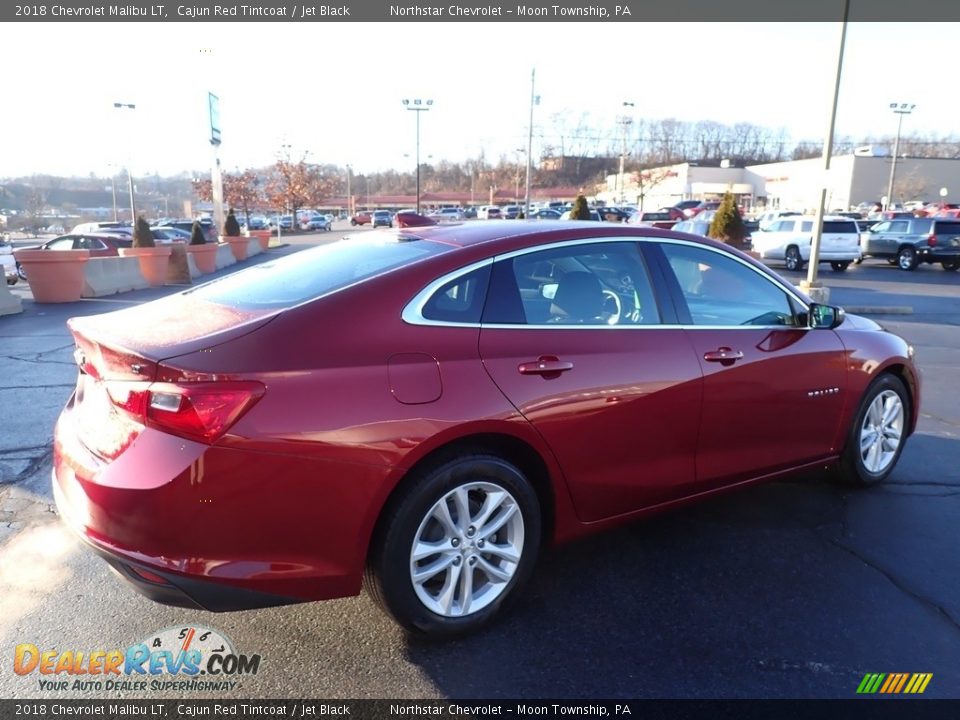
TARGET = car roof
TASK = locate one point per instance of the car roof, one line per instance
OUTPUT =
(521, 233)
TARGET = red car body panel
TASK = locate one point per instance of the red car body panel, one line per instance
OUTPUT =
(285, 502)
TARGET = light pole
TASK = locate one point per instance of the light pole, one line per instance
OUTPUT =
(133, 210)
(113, 188)
(900, 109)
(418, 106)
(516, 180)
(349, 196)
(943, 197)
(625, 120)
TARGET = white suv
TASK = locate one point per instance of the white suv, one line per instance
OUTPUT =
(789, 238)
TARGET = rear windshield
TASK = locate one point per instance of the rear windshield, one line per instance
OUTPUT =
(947, 227)
(837, 226)
(309, 274)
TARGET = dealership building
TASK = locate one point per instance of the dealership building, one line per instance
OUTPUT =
(796, 184)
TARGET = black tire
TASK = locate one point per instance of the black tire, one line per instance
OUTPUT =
(21, 273)
(353, 222)
(388, 574)
(950, 266)
(907, 258)
(792, 259)
(853, 469)
(839, 266)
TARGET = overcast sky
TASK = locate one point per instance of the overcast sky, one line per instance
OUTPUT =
(335, 90)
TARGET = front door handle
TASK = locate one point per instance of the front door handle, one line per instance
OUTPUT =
(545, 365)
(724, 355)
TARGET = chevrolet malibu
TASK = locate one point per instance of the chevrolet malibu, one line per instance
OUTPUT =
(422, 410)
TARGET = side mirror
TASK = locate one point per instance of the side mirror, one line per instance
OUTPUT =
(824, 317)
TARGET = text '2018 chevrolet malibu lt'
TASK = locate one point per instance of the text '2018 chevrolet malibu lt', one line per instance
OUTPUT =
(422, 410)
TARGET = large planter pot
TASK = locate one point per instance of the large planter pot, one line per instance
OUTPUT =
(153, 262)
(55, 276)
(263, 237)
(204, 257)
(238, 246)
(178, 269)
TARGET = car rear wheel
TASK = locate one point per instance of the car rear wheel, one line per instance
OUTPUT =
(455, 545)
(839, 266)
(792, 258)
(950, 266)
(876, 437)
(907, 258)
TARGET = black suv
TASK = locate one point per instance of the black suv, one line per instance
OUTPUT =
(909, 241)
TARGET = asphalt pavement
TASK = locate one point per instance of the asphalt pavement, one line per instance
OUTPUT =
(794, 589)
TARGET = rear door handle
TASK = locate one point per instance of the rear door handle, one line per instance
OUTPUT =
(723, 355)
(545, 365)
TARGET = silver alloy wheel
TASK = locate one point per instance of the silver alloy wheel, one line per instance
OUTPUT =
(881, 431)
(792, 259)
(467, 549)
(907, 259)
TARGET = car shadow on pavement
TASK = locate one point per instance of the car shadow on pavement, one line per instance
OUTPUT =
(763, 593)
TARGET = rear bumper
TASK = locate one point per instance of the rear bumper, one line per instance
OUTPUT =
(169, 588)
(214, 527)
(935, 254)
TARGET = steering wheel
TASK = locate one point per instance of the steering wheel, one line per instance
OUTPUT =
(612, 299)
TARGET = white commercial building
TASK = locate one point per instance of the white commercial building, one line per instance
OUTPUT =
(795, 185)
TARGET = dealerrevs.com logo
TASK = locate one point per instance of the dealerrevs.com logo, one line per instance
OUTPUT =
(173, 659)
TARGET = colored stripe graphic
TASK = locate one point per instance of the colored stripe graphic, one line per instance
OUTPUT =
(894, 683)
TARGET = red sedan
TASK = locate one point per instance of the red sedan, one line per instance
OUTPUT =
(425, 408)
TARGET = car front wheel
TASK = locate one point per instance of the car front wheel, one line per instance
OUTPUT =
(793, 259)
(457, 543)
(876, 437)
(907, 258)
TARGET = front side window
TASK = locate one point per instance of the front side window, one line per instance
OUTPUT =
(720, 291)
(64, 243)
(597, 284)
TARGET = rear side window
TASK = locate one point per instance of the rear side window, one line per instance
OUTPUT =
(311, 273)
(460, 300)
(836, 226)
(946, 227)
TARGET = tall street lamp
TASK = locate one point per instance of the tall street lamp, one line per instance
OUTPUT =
(133, 210)
(900, 109)
(418, 106)
(625, 121)
(349, 194)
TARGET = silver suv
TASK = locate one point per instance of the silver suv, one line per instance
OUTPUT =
(381, 217)
(907, 242)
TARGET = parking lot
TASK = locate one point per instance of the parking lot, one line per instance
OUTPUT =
(793, 589)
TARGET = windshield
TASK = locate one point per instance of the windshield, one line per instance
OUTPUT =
(312, 273)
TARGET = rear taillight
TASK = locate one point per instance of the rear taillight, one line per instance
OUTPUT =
(200, 411)
(932, 241)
